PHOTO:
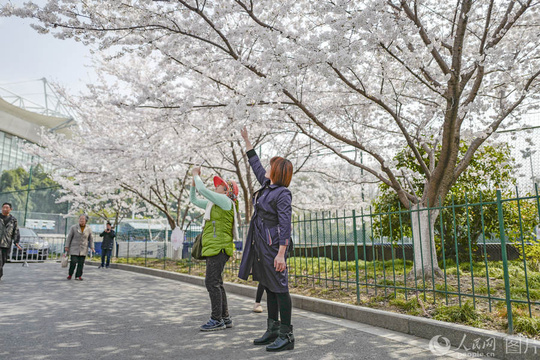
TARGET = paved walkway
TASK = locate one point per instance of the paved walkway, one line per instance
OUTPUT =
(114, 314)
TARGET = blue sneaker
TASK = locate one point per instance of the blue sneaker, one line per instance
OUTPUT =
(228, 322)
(213, 325)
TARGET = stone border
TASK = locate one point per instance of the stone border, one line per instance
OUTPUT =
(407, 324)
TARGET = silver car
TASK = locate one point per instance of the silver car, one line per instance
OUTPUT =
(33, 247)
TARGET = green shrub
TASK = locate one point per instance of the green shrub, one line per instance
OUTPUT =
(465, 314)
(532, 254)
(527, 325)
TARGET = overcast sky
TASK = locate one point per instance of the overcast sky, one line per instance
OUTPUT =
(28, 56)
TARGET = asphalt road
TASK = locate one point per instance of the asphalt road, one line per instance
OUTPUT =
(114, 314)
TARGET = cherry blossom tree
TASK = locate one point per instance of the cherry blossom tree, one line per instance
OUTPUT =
(375, 76)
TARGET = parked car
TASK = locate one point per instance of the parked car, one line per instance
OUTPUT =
(33, 247)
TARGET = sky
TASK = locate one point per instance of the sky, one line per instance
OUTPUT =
(28, 56)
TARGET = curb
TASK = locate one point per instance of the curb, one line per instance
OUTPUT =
(474, 341)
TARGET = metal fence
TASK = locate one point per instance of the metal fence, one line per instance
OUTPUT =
(488, 251)
(495, 267)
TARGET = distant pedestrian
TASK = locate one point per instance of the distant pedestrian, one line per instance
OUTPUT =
(9, 234)
(265, 253)
(77, 243)
(107, 245)
(218, 233)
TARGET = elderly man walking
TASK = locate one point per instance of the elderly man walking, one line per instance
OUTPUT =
(77, 243)
(9, 233)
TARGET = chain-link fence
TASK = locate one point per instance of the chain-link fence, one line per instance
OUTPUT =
(526, 151)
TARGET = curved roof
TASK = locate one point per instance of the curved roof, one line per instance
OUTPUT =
(26, 124)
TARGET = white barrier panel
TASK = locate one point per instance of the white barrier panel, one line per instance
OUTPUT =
(150, 249)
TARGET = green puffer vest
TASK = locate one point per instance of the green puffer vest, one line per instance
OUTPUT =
(218, 232)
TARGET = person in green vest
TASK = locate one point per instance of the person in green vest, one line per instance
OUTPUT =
(219, 230)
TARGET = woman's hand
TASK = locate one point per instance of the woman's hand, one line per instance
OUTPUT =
(245, 136)
(279, 263)
(196, 171)
(244, 133)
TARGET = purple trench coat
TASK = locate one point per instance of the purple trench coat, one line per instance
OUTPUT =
(269, 228)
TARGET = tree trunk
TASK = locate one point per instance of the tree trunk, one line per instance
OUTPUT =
(425, 253)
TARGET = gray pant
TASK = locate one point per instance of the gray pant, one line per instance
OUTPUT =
(214, 285)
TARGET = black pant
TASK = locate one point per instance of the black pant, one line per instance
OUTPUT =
(279, 304)
(4, 252)
(105, 253)
(78, 261)
(260, 292)
(214, 285)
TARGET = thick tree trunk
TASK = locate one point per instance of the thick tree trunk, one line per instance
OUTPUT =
(425, 253)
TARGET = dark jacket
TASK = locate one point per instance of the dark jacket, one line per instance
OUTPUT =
(270, 227)
(108, 239)
(9, 232)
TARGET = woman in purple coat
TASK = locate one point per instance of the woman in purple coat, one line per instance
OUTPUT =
(265, 252)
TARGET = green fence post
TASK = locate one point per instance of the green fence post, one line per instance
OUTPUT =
(485, 249)
(364, 248)
(66, 227)
(27, 195)
(441, 215)
(318, 247)
(505, 264)
(356, 257)
(403, 252)
(470, 249)
(325, 255)
(524, 254)
(115, 241)
(457, 249)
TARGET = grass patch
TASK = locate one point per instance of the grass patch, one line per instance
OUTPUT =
(529, 326)
(466, 314)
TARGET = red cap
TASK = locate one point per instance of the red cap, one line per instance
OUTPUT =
(219, 181)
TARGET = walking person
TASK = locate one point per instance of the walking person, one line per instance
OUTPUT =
(78, 241)
(107, 244)
(219, 230)
(265, 253)
(9, 234)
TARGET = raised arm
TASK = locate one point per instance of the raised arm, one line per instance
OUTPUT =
(257, 167)
(220, 200)
(201, 203)
(254, 160)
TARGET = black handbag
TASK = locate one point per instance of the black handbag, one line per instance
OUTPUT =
(196, 249)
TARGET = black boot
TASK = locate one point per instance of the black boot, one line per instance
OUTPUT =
(270, 335)
(285, 340)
